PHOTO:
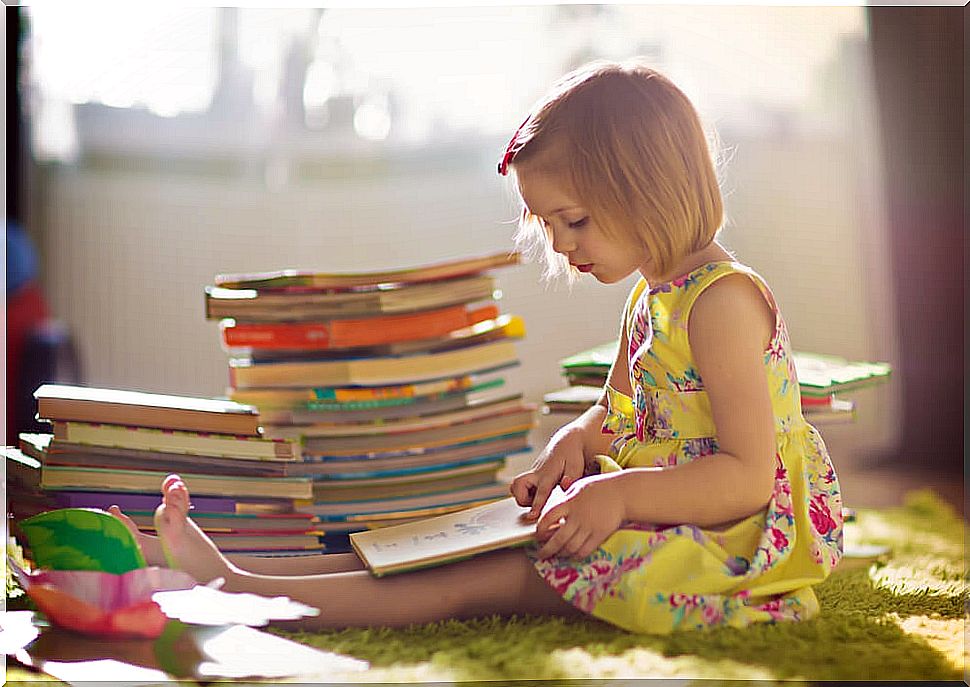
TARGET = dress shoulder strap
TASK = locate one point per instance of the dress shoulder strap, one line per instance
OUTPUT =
(718, 271)
(631, 302)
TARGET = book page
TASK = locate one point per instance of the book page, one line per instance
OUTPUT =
(447, 537)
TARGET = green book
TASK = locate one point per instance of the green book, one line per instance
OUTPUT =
(597, 357)
(818, 374)
(821, 375)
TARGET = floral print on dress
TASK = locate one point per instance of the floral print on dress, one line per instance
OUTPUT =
(637, 579)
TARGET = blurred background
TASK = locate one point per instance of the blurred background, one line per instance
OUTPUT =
(150, 148)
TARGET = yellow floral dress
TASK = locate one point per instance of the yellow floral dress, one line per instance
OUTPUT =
(661, 578)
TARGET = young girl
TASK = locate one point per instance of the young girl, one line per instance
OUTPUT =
(696, 493)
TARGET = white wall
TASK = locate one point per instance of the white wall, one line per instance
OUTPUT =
(126, 255)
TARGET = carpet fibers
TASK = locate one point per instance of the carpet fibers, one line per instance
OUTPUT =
(904, 620)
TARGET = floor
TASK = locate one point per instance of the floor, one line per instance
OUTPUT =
(881, 486)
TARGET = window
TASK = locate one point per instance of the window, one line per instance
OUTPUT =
(241, 81)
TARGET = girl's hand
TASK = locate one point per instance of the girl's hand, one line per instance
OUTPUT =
(561, 462)
(591, 512)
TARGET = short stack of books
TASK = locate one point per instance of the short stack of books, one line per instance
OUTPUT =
(390, 381)
(821, 380)
(111, 446)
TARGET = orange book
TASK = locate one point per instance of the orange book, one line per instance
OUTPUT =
(353, 333)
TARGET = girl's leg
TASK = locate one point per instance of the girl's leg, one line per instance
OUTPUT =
(503, 582)
(151, 547)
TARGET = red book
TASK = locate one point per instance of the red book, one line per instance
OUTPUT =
(353, 333)
(817, 401)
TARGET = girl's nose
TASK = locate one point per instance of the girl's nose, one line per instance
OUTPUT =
(562, 242)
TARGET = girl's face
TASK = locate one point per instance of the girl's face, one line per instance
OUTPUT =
(574, 233)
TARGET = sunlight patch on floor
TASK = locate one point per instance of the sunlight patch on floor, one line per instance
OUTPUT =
(638, 662)
(946, 635)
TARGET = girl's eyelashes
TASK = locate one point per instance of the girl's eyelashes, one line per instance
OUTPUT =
(579, 223)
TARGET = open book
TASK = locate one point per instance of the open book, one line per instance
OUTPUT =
(447, 538)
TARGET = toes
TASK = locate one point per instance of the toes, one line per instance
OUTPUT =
(128, 522)
(175, 494)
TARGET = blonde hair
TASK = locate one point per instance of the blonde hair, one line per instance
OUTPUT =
(630, 146)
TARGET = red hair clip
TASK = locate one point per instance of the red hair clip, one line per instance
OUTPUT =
(511, 150)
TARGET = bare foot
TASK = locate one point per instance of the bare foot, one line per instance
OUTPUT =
(184, 545)
(151, 547)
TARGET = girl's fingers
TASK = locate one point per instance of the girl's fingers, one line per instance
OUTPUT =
(589, 546)
(543, 489)
(565, 542)
(571, 473)
(523, 489)
(550, 522)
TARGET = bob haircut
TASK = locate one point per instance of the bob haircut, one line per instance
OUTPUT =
(630, 146)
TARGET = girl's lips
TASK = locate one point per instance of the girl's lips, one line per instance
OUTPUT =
(585, 268)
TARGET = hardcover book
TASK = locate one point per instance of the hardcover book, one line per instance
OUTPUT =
(164, 441)
(129, 502)
(260, 306)
(322, 412)
(45, 448)
(352, 333)
(304, 397)
(463, 477)
(62, 477)
(467, 413)
(373, 371)
(123, 407)
(508, 423)
(500, 328)
(390, 509)
(239, 523)
(821, 375)
(413, 275)
(457, 453)
(818, 374)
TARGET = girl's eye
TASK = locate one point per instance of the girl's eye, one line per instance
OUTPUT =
(579, 223)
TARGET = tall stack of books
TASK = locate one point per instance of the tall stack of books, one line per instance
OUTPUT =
(391, 382)
(822, 380)
(112, 446)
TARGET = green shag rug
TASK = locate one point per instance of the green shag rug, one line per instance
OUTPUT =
(904, 620)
